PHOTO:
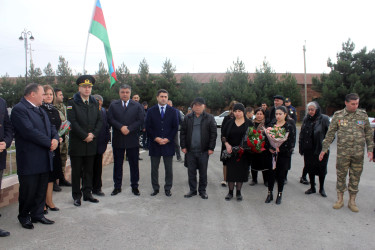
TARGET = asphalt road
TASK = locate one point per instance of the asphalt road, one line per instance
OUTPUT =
(129, 222)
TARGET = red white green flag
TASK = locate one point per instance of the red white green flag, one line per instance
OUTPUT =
(99, 29)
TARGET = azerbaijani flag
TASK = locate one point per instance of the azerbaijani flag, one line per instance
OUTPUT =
(99, 29)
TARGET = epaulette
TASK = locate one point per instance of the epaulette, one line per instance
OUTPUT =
(340, 111)
(362, 111)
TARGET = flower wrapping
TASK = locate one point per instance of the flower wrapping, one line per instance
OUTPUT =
(276, 137)
(65, 127)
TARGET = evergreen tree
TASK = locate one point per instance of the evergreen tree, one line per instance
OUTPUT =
(352, 72)
(50, 76)
(35, 74)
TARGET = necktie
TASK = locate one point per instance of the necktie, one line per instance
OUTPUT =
(162, 112)
(86, 102)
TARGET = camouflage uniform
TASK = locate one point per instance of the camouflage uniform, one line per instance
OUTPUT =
(64, 146)
(353, 131)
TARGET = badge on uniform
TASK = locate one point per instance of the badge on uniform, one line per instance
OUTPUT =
(343, 123)
(69, 107)
(361, 123)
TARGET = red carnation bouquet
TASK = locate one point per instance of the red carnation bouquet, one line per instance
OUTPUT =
(255, 140)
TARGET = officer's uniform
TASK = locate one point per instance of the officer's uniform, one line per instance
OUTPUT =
(292, 112)
(85, 118)
(353, 131)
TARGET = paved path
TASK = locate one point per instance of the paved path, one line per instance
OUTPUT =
(129, 222)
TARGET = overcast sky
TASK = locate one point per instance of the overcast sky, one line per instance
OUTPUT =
(196, 35)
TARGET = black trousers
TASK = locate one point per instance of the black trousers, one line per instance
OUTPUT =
(97, 173)
(118, 159)
(82, 167)
(155, 161)
(254, 175)
(177, 147)
(278, 174)
(197, 161)
(32, 196)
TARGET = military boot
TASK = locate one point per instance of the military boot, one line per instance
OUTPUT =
(340, 201)
(351, 204)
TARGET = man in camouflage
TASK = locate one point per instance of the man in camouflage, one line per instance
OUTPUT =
(59, 104)
(353, 131)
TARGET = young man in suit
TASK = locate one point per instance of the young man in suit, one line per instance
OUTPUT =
(86, 123)
(126, 117)
(161, 127)
(36, 139)
(6, 137)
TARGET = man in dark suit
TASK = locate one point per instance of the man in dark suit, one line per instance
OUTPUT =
(278, 100)
(126, 117)
(161, 127)
(6, 137)
(102, 142)
(86, 123)
(36, 139)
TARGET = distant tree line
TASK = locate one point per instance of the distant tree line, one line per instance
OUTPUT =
(353, 72)
(236, 85)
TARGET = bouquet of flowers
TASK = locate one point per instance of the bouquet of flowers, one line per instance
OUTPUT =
(276, 136)
(65, 127)
(236, 150)
(255, 140)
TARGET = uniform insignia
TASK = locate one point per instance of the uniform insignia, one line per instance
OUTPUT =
(69, 107)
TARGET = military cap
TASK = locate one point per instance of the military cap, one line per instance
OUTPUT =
(278, 97)
(287, 99)
(85, 80)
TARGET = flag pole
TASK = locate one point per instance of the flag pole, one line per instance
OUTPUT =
(88, 35)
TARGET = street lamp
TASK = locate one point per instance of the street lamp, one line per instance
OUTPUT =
(24, 35)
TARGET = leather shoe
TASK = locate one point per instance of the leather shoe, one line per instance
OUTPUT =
(77, 202)
(90, 199)
(168, 193)
(56, 187)
(322, 193)
(27, 225)
(64, 182)
(4, 233)
(190, 194)
(310, 191)
(98, 193)
(228, 197)
(43, 220)
(135, 191)
(253, 183)
(116, 191)
(203, 195)
(155, 192)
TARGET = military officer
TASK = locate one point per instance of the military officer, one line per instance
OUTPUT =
(84, 116)
(353, 131)
(292, 112)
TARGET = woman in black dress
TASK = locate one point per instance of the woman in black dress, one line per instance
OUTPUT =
(225, 120)
(54, 117)
(237, 165)
(314, 128)
(284, 153)
(258, 160)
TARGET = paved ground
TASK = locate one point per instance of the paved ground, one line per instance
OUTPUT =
(128, 222)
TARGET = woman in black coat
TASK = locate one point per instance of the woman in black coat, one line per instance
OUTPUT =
(314, 128)
(54, 117)
(258, 161)
(237, 165)
(284, 153)
(225, 120)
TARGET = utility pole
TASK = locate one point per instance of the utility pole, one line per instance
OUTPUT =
(304, 62)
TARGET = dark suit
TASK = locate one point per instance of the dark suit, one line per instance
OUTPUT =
(84, 119)
(6, 134)
(131, 116)
(163, 128)
(33, 135)
(102, 141)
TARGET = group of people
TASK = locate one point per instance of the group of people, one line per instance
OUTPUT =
(36, 122)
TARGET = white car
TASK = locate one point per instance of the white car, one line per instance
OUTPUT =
(219, 119)
(370, 119)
